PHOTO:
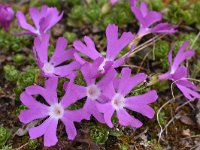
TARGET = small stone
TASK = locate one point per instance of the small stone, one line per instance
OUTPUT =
(186, 132)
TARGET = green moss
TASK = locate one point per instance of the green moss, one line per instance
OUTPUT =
(99, 133)
(11, 73)
(196, 70)
(184, 12)
(80, 79)
(122, 14)
(154, 144)
(162, 116)
(161, 52)
(52, 3)
(76, 105)
(162, 86)
(155, 5)
(161, 49)
(115, 132)
(26, 78)
(4, 135)
(123, 147)
(7, 148)
(70, 36)
(93, 13)
(19, 109)
(9, 42)
(19, 58)
(33, 144)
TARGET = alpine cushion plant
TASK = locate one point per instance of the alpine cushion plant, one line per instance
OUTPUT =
(147, 20)
(55, 110)
(43, 20)
(6, 15)
(114, 47)
(94, 90)
(55, 66)
(119, 102)
(179, 73)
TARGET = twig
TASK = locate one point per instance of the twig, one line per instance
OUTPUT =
(195, 40)
(133, 66)
(22, 146)
(158, 112)
(146, 44)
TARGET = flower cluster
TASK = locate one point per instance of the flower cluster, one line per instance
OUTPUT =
(6, 15)
(179, 74)
(106, 91)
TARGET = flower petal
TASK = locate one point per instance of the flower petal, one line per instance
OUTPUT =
(30, 102)
(90, 70)
(48, 129)
(115, 45)
(73, 93)
(66, 70)
(91, 108)
(41, 46)
(23, 23)
(60, 55)
(35, 15)
(88, 48)
(127, 83)
(107, 79)
(126, 120)
(188, 93)
(27, 116)
(48, 93)
(107, 111)
(182, 55)
(139, 103)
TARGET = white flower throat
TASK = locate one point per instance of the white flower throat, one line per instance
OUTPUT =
(56, 111)
(48, 68)
(93, 92)
(118, 101)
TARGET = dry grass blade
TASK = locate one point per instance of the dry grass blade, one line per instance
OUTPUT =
(146, 44)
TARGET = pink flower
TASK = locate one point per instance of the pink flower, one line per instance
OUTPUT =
(114, 47)
(119, 100)
(54, 66)
(53, 112)
(113, 2)
(179, 74)
(94, 91)
(43, 20)
(6, 15)
(148, 18)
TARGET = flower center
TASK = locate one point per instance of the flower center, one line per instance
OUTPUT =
(48, 68)
(93, 92)
(118, 101)
(56, 111)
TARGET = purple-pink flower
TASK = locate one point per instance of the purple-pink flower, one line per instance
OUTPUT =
(53, 112)
(6, 15)
(114, 47)
(94, 90)
(113, 2)
(179, 73)
(43, 20)
(148, 19)
(119, 100)
(54, 66)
